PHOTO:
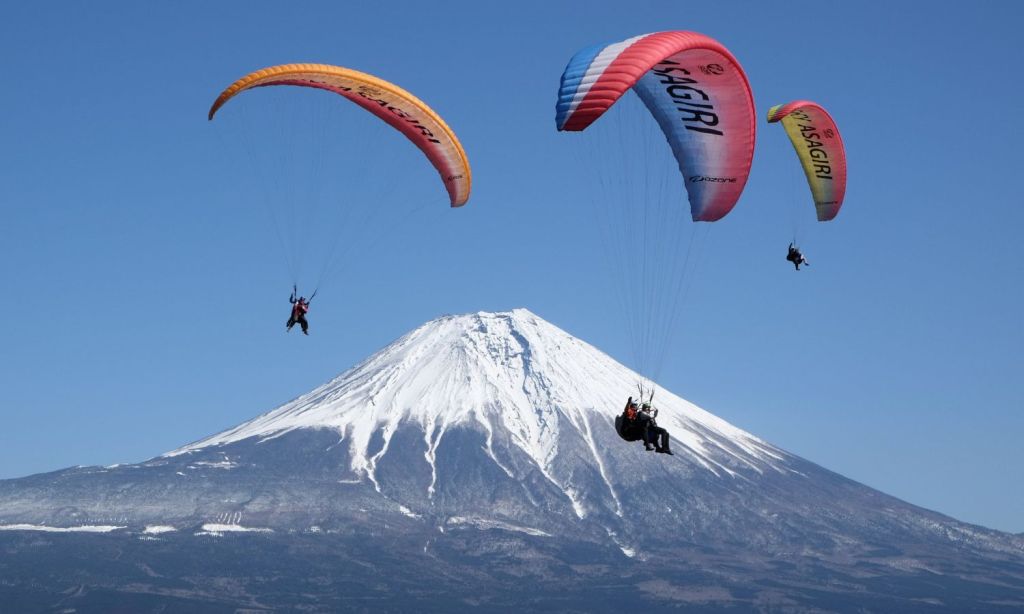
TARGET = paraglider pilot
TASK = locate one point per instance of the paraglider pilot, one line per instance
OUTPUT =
(300, 306)
(796, 257)
(655, 437)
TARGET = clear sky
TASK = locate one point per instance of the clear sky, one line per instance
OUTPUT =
(144, 291)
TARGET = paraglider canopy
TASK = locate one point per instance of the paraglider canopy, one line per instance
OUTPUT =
(817, 142)
(400, 109)
(695, 89)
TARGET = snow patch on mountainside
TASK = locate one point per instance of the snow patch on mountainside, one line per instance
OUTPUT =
(485, 523)
(47, 529)
(157, 529)
(218, 530)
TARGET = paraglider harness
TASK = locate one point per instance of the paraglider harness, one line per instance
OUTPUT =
(626, 423)
(300, 306)
(794, 256)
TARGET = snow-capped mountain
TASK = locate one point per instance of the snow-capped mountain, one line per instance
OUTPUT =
(512, 377)
(493, 428)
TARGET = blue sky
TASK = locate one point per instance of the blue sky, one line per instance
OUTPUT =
(143, 290)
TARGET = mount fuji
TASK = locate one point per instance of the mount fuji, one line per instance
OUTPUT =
(473, 463)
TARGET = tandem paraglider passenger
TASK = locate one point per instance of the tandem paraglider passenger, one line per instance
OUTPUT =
(626, 424)
(300, 307)
(796, 257)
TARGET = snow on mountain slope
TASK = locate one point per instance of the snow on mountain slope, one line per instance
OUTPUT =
(511, 372)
